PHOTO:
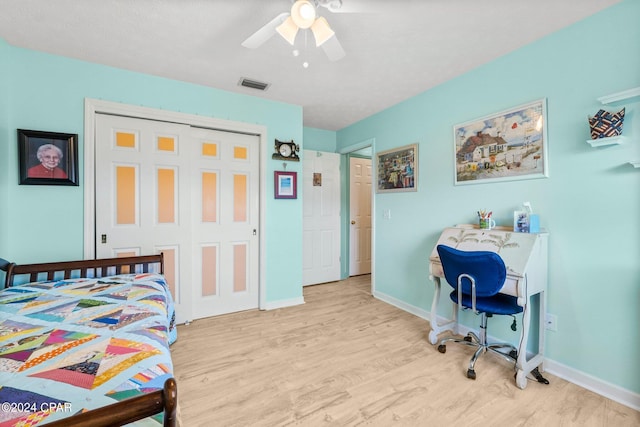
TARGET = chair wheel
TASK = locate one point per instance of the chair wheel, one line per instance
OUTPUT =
(468, 338)
(471, 374)
(442, 348)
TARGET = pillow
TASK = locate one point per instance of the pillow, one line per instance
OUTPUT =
(605, 124)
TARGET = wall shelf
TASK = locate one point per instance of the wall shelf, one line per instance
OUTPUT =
(620, 96)
(615, 140)
(603, 142)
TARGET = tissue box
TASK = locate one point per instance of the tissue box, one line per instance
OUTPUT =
(534, 223)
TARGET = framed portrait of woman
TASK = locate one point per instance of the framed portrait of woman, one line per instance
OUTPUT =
(47, 158)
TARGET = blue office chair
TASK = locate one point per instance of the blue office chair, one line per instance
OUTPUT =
(477, 277)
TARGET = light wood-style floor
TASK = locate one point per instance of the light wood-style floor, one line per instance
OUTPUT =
(345, 358)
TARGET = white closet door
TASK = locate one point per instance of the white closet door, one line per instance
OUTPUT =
(225, 218)
(150, 179)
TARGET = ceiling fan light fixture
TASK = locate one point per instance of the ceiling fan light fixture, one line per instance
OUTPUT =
(303, 13)
(288, 30)
(321, 31)
(303, 16)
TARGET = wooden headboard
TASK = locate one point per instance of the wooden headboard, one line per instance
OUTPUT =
(85, 268)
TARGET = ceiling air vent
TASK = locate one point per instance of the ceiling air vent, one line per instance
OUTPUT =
(253, 84)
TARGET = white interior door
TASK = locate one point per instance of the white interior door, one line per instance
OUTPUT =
(360, 210)
(154, 190)
(321, 221)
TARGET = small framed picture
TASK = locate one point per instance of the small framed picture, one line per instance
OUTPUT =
(521, 222)
(47, 158)
(286, 185)
(397, 169)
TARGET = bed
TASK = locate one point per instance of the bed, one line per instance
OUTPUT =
(86, 343)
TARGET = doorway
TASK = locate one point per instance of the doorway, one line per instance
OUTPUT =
(360, 216)
(360, 212)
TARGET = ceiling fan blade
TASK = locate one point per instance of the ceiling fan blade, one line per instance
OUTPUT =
(333, 49)
(265, 33)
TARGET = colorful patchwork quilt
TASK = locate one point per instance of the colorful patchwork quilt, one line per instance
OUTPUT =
(68, 346)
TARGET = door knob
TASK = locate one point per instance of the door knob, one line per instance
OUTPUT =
(352, 222)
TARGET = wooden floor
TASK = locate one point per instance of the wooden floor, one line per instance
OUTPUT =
(345, 358)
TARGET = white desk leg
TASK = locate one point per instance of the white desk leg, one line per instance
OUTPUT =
(433, 318)
(523, 365)
(542, 300)
(521, 373)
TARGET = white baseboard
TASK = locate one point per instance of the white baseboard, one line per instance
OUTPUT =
(402, 305)
(596, 385)
(273, 305)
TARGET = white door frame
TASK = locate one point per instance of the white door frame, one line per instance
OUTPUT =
(95, 106)
(371, 142)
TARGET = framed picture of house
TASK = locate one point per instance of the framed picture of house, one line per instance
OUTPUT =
(504, 146)
(47, 158)
(397, 169)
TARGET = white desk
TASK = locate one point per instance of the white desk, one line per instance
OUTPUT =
(525, 256)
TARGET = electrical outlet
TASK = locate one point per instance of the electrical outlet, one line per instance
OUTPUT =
(551, 322)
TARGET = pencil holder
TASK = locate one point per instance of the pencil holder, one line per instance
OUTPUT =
(486, 223)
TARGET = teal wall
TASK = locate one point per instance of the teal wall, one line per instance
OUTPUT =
(45, 92)
(4, 146)
(590, 204)
(319, 139)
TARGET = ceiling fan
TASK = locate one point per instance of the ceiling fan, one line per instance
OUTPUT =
(304, 15)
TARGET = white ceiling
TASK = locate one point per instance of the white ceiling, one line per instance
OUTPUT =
(395, 49)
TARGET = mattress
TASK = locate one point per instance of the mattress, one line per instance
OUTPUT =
(68, 346)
